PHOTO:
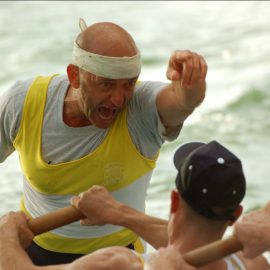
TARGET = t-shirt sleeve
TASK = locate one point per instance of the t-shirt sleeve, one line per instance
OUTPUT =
(11, 104)
(146, 128)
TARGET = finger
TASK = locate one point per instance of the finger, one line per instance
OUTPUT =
(87, 222)
(26, 238)
(188, 69)
(196, 70)
(172, 75)
(203, 68)
(174, 69)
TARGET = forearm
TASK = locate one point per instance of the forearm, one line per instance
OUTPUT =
(100, 208)
(153, 230)
(172, 108)
(13, 256)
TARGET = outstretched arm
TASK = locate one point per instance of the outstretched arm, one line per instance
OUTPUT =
(100, 208)
(187, 72)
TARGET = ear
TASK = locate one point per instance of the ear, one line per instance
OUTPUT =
(237, 213)
(73, 75)
(174, 201)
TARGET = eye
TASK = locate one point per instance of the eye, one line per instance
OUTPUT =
(105, 85)
(130, 84)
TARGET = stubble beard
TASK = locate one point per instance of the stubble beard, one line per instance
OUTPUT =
(83, 104)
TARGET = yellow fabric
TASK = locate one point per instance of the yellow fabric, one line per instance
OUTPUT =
(138, 246)
(141, 258)
(115, 164)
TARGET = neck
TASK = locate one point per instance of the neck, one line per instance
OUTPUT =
(193, 238)
(72, 114)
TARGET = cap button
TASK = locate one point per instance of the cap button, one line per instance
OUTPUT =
(204, 190)
(221, 160)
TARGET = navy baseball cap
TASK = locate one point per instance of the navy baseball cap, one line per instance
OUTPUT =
(210, 177)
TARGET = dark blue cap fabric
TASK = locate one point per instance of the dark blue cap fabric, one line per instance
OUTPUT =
(210, 177)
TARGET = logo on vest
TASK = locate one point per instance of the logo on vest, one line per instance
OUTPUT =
(113, 174)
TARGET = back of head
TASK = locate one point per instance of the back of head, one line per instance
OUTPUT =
(210, 179)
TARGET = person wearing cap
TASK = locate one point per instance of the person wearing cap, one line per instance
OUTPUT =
(95, 126)
(210, 187)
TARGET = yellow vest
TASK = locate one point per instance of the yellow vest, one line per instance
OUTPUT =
(115, 164)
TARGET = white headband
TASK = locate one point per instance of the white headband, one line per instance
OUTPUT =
(106, 66)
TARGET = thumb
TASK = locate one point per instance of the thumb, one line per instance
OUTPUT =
(74, 201)
(172, 74)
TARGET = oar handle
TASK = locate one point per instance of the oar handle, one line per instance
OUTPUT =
(55, 219)
(213, 252)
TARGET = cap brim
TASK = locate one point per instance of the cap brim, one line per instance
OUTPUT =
(183, 151)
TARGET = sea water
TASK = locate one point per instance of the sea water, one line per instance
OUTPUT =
(234, 37)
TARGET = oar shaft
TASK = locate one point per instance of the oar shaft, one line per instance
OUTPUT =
(55, 219)
(213, 252)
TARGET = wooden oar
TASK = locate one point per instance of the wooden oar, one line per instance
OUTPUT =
(197, 257)
(55, 219)
(213, 252)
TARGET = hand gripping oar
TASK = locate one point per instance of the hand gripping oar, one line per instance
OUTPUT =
(197, 257)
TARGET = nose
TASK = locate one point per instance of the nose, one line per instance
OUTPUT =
(118, 97)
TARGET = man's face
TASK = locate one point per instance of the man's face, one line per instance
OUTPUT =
(101, 99)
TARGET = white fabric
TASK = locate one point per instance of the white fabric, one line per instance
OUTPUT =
(82, 24)
(106, 66)
(133, 195)
(234, 263)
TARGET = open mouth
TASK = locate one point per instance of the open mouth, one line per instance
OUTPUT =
(106, 113)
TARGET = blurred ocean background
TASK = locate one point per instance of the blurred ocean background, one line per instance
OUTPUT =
(234, 37)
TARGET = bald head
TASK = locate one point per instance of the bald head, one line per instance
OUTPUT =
(107, 39)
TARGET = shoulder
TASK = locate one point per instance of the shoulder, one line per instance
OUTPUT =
(12, 100)
(144, 97)
(149, 87)
(17, 90)
(111, 258)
